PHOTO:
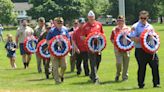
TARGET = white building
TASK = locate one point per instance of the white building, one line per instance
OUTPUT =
(20, 8)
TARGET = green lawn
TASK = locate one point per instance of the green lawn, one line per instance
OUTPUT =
(29, 80)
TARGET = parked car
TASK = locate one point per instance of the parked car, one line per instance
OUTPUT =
(107, 20)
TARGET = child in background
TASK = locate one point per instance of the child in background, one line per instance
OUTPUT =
(11, 50)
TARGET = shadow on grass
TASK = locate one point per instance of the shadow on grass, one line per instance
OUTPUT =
(9, 69)
(110, 82)
(129, 89)
(70, 76)
(68, 72)
(82, 83)
(29, 73)
(33, 80)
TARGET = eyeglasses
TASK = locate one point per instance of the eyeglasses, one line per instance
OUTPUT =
(75, 23)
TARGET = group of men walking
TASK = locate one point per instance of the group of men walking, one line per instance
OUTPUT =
(77, 38)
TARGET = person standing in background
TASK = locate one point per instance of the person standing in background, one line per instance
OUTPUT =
(72, 52)
(11, 50)
(22, 32)
(1, 33)
(46, 61)
(80, 49)
(40, 28)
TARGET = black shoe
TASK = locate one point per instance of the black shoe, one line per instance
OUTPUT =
(86, 74)
(62, 79)
(39, 71)
(24, 65)
(27, 64)
(78, 73)
(47, 76)
(117, 78)
(141, 86)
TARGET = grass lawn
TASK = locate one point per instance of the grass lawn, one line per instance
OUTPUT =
(21, 80)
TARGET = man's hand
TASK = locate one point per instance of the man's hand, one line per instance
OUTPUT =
(135, 39)
(77, 50)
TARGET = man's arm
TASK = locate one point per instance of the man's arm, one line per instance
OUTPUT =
(74, 42)
(112, 36)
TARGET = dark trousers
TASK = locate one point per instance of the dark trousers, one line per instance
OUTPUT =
(46, 66)
(83, 56)
(95, 60)
(143, 59)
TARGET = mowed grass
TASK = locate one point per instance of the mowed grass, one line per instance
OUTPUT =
(21, 80)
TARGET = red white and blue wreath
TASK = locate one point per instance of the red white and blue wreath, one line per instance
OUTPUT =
(150, 41)
(30, 44)
(123, 42)
(96, 42)
(42, 49)
(59, 46)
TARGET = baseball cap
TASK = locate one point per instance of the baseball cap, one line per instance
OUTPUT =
(81, 20)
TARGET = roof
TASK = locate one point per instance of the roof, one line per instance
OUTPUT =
(22, 6)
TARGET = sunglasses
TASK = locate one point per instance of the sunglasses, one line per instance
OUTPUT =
(143, 18)
(59, 22)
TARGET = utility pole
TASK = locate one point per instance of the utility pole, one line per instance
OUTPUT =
(122, 7)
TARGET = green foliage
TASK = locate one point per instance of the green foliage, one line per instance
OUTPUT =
(132, 8)
(7, 16)
(68, 9)
(98, 6)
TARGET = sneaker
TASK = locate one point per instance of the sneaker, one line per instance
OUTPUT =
(156, 86)
(97, 82)
(117, 78)
(124, 79)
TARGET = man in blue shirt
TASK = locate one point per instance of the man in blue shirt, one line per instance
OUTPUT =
(58, 62)
(141, 56)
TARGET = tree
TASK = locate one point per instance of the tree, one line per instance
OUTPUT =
(132, 8)
(68, 9)
(98, 6)
(161, 11)
(7, 15)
